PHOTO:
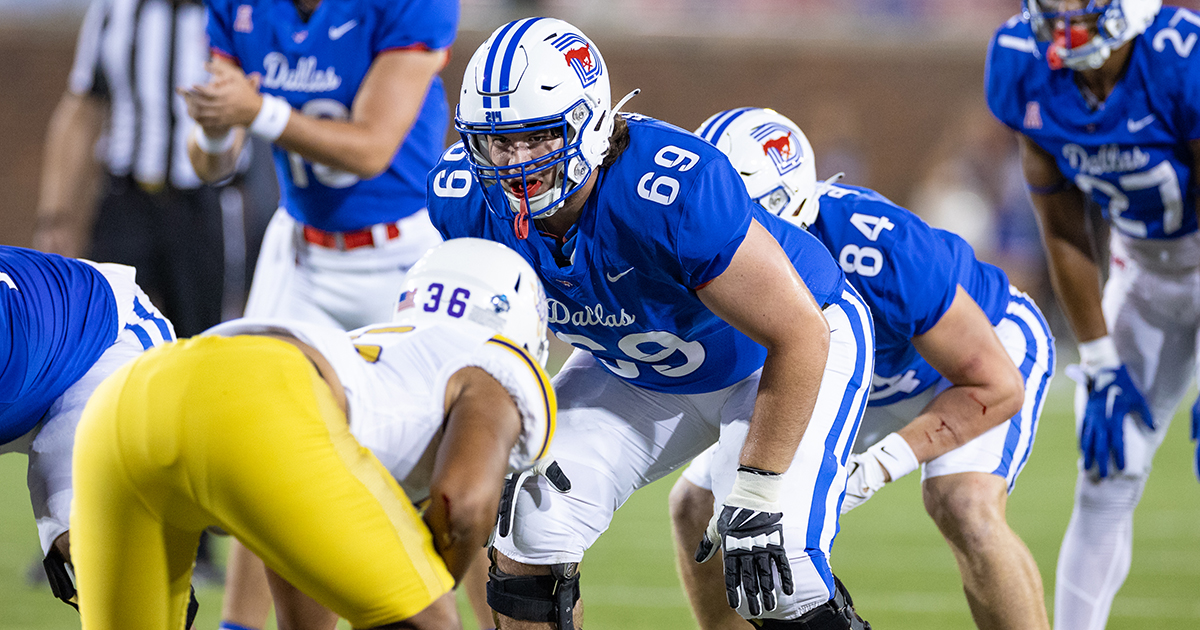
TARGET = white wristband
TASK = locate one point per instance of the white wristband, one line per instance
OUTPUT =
(1098, 354)
(211, 145)
(760, 492)
(272, 118)
(895, 455)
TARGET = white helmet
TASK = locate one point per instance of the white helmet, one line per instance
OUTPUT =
(773, 157)
(536, 74)
(480, 281)
(1073, 45)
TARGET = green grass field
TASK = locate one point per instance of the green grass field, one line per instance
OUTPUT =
(889, 553)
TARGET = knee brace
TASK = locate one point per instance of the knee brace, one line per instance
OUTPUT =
(835, 614)
(549, 598)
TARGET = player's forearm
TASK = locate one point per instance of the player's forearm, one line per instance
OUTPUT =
(68, 170)
(787, 395)
(348, 146)
(1075, 277)
(961, 414)
(460, 526)
(219, 164)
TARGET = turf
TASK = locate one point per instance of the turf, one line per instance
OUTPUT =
(889, 553)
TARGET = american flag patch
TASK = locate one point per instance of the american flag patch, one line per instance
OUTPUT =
(1033, 115)
(242, 22)
(406, 301)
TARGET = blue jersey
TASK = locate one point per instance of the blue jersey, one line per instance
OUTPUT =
(57, 316)
(1130, 154)
(318, 67)
(907, 272)
(649, 235)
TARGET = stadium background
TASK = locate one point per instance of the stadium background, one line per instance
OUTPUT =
(889, 91)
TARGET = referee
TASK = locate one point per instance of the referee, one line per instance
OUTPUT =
(186, 239)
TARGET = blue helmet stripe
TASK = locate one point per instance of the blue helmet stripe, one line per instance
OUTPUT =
(509, 53)
(491, 59)
(718, 126)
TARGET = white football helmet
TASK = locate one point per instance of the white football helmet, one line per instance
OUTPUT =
(479, 281)
(1072, 43)
(536, 74)
(773, 157)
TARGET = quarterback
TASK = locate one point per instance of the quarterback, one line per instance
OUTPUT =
(312, 446)
(1105, 99)
(962, 362)
(696, 319)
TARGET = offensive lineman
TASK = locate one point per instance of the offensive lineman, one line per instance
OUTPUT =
(67, 324)
(349, 95)
(1105, 100)
(695, 316)
(962, 362)
(311, 445)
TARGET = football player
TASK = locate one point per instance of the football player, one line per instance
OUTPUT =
(1105, 99)
(311, 446)
(962, 362)
(349, 95)
(65, 325)
(696, 317)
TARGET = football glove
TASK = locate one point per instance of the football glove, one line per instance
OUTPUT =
(1196, 435)
(1111, 395)
(887, 460)
(545, 467)
(749, 531)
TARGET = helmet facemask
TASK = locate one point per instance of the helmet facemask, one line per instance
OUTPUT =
(535, 197)
(1083, 39)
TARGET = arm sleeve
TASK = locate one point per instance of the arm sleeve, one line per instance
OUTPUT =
(419, 24)
(86, 77)
(714, 220)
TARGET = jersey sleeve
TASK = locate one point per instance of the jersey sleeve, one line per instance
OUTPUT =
(416, 24)
(453, 196)
(715, 218)
(1187, 81)
(219, 28)
(1011, 47)
(530, 389)
(920, 290)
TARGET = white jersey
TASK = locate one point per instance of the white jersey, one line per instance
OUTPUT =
(395, 377)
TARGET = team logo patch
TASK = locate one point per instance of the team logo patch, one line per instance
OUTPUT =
(242, 22)
(1033, 115)
(580, 57)
(780, 145)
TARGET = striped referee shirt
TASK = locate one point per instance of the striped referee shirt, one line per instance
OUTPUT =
(134, 53)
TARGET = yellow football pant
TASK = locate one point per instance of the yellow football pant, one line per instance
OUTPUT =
(241, 433)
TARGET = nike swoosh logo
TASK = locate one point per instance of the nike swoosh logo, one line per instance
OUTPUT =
(336, 32)
(1137, 125)
(612, 278)
(1113, 392)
